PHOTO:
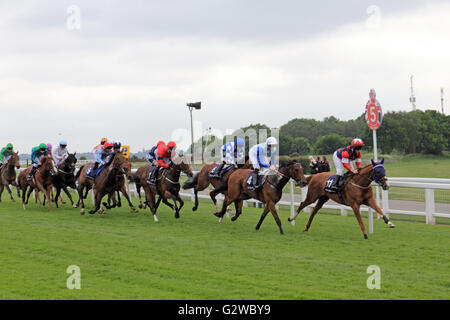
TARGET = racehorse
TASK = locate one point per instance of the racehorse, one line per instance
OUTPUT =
(8, 175)
(42, 180)
(168, 187)
(202, 180)
(105, 182)
(357, 190)
(120, 187)
(269, 193)
(65, 177)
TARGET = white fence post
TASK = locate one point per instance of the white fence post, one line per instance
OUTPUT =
(430, 207)
(343, 211)
(385, 202)
(370, 212)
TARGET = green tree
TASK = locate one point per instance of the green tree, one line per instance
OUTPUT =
(329, 143)
(301, 146)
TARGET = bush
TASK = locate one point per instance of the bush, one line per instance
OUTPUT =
(329, 143)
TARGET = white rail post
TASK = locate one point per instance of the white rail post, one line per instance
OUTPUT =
(343, 211)
(430, 207)
(291, 193)
(370, 212)
(385, 202)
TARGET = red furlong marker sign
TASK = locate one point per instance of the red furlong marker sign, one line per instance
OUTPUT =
(374, 115)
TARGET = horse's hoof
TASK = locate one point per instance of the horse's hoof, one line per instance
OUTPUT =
(217, 215)
(141, 206)
(194, 208)
(366, 237)
(391, 225)
(74, 206)
(91, 212)
(155, 218)
(234, 218)
(12, 200)
(177, 216)
(82, 211)
(220, 220)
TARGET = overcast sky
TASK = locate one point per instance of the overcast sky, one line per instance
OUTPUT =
(130, 68)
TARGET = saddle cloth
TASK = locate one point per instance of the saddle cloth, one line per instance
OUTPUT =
(94, 174)
(261, 179)
(225, 169)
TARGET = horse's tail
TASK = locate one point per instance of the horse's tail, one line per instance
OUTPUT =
(191, 183)
(77, 175)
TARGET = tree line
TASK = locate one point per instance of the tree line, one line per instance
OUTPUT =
(426, 132)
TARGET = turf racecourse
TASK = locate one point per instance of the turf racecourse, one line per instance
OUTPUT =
(124, 255)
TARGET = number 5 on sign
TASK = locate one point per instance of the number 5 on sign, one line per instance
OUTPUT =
(126, 151)
(374, 115)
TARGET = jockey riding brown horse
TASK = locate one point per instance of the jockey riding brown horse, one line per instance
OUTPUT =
(105, 182)
(269, 193)
(120, 187)
(168, 187)
(356, 192)
(8, 175)
(42, 180)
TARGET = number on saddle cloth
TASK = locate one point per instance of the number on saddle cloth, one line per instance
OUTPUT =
(251, 185)
(329, 183)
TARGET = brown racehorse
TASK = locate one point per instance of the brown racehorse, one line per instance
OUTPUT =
(356, 192)
(120, 187)
(8, 175)
(42, 180)
(105, 182)
(202, 180)
(269, 193)
(168, 187)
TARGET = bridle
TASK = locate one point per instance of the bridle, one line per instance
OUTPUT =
(372, 179)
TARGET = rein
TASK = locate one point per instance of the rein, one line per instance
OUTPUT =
(369, 179)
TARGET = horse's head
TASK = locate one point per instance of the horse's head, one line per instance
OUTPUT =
(120, 163)
(69, 162)
(48, 165)
(379, 174)
(294, 170)
(182, 164)
(14, 160)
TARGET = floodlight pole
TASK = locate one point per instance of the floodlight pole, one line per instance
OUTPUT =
(192, 135)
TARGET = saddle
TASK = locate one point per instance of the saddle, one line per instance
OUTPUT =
(91, 173)
(261, 179)
(156, 176)
(226, 168)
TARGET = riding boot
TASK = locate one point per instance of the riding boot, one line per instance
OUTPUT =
(219, 170)
(337, 183)
(256, 179)
(153, 174)
(31, 173)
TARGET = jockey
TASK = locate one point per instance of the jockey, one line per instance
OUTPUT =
(172, 148)
(6, 153)
(97, 147)
(233, 153)
(259, 155)
(36, 154)
(152, 156)
(103, 155)
(49, 149)
(61, 153)
(164, 160)
(342, 158)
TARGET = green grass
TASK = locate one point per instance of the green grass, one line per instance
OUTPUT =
(125, 255)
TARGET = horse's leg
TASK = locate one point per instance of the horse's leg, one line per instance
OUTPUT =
(24, 193)
(180, 201)
(29, 194)
(355, 208)
(52, 198)
(68, 194)
(373, 204)
(10, 194)
(226, 202)
(318, 206)
(195, 207)
(174, 199)
(123, 189)
(214, 193)
(309, 199)
(107, 204)
(58, 193)
(238, 205)
(37, 198)
(14, 183)
(98, 202)
(47, 193)
(80, 197)
(119, 200)
(273, 209)
(1, 191)
(263, 216)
